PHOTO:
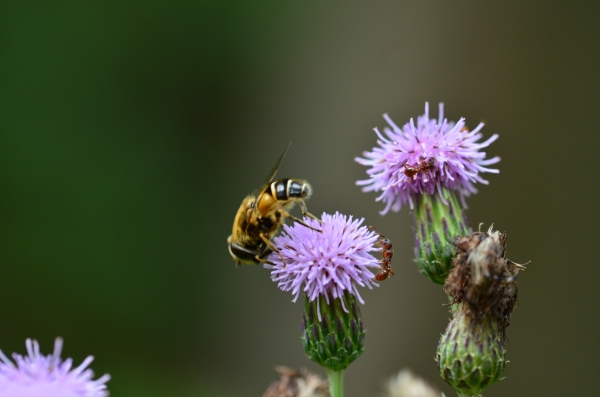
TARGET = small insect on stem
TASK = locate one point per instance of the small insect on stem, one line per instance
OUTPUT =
(387, 253)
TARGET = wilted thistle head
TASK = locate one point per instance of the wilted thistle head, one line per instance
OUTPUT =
(425, 158)
(325, 263)
(483, 283)
(483, 290)
(36, 375)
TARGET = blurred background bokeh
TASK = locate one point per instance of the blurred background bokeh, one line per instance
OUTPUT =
(131, 131)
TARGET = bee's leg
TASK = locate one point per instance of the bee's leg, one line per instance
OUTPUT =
(263, 252)
(268, 262)
(300, 221)
(306, 213)
(269, 246)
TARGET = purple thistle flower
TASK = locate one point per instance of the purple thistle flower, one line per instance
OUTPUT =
(35, 375)
(424, 159)
(325, 263)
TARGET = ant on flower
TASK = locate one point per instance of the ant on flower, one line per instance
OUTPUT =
(421, 166)
(387, 253)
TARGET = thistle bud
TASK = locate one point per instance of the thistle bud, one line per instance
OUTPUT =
(471, 355)
(332, 331)
(483, 290)
(438, 221)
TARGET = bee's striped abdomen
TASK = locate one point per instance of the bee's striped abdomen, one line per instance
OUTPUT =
(296, 189)
(282, 193)
(279, 189)
(284, 189)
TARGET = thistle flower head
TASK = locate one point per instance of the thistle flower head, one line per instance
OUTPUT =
(424, 158)
(36, 375)
(324, 263)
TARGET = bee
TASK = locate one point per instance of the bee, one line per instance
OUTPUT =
(387, 254)
(259, 217)
(421, 166)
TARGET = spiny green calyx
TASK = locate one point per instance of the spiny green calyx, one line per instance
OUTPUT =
(471, 355)
(334, 338)
(437, 224)
(483, 290)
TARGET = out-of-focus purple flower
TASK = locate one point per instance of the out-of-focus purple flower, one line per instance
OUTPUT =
(36, 375)
(325, 263)
(424, 159)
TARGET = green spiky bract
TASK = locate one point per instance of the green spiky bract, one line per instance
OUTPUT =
(337, 338)
(471, 355)
(436, 226)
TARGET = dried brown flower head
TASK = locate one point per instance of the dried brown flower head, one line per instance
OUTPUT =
(483, 282)
(294, 383)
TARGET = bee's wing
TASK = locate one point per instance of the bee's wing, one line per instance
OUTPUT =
(276, 166)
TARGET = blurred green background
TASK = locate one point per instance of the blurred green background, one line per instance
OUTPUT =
(131, 131)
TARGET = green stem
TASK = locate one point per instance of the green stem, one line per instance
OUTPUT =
(336, 383)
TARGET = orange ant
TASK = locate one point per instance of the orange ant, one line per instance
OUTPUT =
(387, 253)
(421, 166)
